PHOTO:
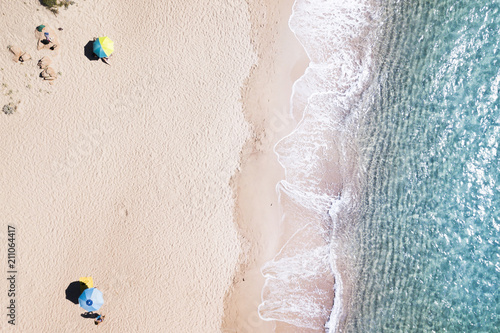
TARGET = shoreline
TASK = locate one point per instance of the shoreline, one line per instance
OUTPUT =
(266, 102)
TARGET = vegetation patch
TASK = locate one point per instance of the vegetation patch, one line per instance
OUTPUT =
(54, 5)
(9, 108)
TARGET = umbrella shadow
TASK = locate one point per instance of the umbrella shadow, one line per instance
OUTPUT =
(74, 291)
(89, 51)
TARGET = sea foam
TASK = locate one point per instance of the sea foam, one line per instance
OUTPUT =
(304, 285)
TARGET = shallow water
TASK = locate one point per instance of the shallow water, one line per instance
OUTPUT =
(429, 250)
(321, 158)
(392, 174)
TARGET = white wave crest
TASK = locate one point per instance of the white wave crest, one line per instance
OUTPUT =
(320, 158)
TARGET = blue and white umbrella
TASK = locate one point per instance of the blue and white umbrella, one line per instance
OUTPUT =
(91, 299)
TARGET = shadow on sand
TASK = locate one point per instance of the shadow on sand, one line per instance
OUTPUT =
(89, 51)
(74, 291)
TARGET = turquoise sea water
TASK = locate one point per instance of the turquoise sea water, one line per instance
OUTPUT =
(391, 196)
(427, 246)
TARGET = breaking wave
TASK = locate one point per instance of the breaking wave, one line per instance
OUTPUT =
(307, 282)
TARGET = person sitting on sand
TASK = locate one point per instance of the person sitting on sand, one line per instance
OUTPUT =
(47, 40)
(46, 37)
(99, 319)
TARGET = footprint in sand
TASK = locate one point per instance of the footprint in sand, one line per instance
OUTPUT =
(122, 210)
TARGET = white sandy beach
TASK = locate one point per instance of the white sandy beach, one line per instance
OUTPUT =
(130, 173)
(281, 61)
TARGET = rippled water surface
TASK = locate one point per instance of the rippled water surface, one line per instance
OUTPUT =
(427, 251)
(391, 200)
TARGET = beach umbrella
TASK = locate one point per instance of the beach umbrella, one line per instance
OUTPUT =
(91, 299)
(103, 47)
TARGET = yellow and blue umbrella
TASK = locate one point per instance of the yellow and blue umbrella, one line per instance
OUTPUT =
(91, 299)
(103, 47)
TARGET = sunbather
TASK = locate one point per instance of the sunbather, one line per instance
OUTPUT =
(99, 319)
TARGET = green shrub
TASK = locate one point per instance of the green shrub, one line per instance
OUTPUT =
(9, 108)
(50, 3)
(53, 5)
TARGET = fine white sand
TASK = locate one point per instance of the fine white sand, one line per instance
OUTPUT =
(281, 61)
(123, 172)
(154, 175)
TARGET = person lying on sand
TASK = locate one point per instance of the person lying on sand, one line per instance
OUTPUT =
(24, 57)
(19, 55)
(99, 319)
(44, 62)
(49, 74)
(16, 50)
